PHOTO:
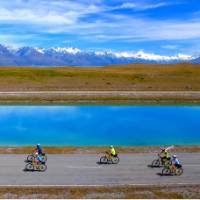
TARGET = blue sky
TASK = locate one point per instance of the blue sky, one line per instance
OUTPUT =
(164, 27)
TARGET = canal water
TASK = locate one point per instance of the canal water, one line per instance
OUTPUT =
(99, 125)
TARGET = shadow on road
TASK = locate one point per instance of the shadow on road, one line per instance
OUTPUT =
(26, 170)
(161, 174)
(27, 161)
(33, 170)
(152, 166)
(100, 163)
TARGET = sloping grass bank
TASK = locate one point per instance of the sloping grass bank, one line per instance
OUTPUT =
(104, 192)
(64, 150)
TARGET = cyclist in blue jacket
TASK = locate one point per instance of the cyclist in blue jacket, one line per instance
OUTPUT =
(175, 162)
(39, 149)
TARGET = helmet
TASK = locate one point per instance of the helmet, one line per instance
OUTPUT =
(38, 144)
(111, 146)
(174, 156)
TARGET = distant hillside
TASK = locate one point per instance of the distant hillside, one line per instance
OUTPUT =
(41, 57)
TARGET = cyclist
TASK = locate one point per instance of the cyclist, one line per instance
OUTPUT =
(38, 159)
(164, 154)
(39, 149)
(175, 163)
(112, 151)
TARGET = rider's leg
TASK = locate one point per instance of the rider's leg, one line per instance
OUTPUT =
(163, 159)
(173, 168)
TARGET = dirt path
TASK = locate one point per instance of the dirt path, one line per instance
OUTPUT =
(100, 97)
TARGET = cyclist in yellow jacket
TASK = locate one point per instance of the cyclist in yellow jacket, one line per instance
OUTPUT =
(112, 151)
(165, 154)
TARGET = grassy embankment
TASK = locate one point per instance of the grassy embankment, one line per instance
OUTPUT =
(105, 192)
(132, 77)
(95, 150)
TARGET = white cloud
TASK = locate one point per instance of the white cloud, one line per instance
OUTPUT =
(136, 30)
(68, 17)
(130, 5)
(126, 6)
(139, 6)
(15, 39)
(169, 46)
(49, 13)
(30, 17)
(157, 5)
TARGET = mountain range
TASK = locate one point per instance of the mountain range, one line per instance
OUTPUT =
(60, 56)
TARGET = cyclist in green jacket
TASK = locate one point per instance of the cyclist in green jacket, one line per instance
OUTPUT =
(165, 155)
(112, 151)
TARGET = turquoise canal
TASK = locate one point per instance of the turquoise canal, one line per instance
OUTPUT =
(99, 125)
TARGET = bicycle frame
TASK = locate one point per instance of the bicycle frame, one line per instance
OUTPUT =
(36, 165)
(172, 168)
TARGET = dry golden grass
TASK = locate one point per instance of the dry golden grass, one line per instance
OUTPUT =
(64, 150)
(125, 192)
(146, 77)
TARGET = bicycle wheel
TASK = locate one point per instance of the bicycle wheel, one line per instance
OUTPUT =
(179, 171)
(30, 158)
(166, 171)
(115, 160)
(42, 167)
(103, 160)
(156, 163)
(29, 167)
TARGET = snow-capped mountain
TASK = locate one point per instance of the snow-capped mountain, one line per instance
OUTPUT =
(58, 56)
(146, 56)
